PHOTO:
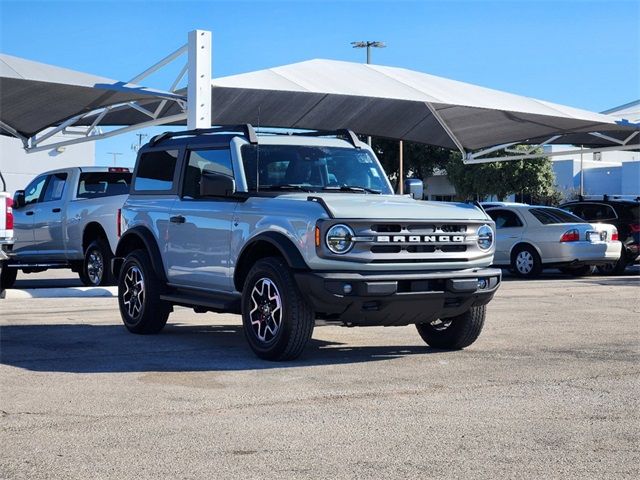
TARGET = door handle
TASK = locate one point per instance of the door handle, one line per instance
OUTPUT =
(30, 212)
(55, 210)
(177, 219)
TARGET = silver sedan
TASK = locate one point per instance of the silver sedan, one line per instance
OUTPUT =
(530, 238)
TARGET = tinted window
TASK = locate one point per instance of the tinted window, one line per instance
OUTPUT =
(103, 184)
(504, 218)
(205, 161)
(313, 168)
(596, 212)
(548, 216)
(34, 190)
(155, 171)
(55, 187)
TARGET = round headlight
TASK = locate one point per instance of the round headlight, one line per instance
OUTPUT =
(485, 237)
(339, 238)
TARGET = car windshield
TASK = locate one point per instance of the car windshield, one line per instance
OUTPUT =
(312, 169)
(549, 216)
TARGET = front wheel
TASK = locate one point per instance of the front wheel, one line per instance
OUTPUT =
(139, 287)
(454, 333)
(526, 263)
(277, 320)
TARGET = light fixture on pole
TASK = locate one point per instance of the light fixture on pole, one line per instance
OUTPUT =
(368, 44)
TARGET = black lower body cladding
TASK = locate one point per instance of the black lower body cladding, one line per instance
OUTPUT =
(397, 298)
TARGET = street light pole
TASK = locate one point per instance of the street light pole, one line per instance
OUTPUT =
(368, 45)
(115, 154)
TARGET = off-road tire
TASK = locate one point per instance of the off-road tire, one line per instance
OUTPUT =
(296, 316)
(536, 266)
(98, 250)
(152, 314)
(463, 330)
(8, 277)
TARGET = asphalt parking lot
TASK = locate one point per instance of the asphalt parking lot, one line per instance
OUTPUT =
(550, 390)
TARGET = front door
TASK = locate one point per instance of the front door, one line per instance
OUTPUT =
(200, 228)
(23, 219)
(509, 228)
(48, 220)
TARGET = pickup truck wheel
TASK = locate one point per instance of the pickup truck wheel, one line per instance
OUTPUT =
(454, 333)
(141, 309)
(96, 268)
(276, 319)
(526, 263)
(8, 277)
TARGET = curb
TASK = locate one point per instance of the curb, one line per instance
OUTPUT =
(67, 292)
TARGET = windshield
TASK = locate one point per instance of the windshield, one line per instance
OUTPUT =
(310, 168)
(548, 216)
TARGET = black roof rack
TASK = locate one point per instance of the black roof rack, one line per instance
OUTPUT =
(346, 134)
(246, 129)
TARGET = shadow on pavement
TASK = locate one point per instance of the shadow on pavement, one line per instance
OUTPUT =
(110, 348)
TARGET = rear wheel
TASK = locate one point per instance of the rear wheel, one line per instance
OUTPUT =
(454, 333)
(96, 268)
(525, 262)
(8, 277)
(277, 320)
(139, 288)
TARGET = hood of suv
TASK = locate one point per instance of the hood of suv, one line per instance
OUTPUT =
(356, 205)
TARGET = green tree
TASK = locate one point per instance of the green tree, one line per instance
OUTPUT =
(420, 161)
(532, 177)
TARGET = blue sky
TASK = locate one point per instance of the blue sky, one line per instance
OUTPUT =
(580, 53)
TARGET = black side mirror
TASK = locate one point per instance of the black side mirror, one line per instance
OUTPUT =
(216, 185)
(18, 199)
(414, 187)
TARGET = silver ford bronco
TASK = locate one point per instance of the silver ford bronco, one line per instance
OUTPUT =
(284, 228)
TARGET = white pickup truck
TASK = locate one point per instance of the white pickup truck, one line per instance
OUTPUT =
(6, 221)
(67, 218)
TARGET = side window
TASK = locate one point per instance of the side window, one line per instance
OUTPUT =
(504, 219)
(155, 171)
(34, 190)
(205, 161)
(55, 187)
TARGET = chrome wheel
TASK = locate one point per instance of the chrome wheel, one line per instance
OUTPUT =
(95, 267)
(133, 296)
(266, 310)
(524, 262)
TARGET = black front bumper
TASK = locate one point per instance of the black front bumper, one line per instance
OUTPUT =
(397, 298)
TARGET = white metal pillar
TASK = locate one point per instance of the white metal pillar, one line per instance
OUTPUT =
(199, 75)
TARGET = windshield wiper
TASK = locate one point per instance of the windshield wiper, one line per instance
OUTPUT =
(286, 186)
(351, 188)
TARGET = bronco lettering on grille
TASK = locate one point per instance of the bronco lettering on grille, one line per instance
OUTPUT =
(419, 238)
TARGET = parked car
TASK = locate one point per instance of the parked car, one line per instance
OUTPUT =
(530, 238)
(624, 215)
(6, 227)
(68, 218)
(285, 229)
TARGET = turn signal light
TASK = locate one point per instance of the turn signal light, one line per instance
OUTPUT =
(119, 222)
(614, 235)
(570, 236)
(317, 236)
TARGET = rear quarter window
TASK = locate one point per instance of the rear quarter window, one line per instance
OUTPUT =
(156, 171)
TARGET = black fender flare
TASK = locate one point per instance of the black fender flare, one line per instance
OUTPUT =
(139, 235)
(281, 243)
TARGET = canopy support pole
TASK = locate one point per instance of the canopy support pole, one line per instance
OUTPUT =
(446, 128)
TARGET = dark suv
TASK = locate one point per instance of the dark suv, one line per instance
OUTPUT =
(623, 214)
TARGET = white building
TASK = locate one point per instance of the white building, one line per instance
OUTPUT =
(19, 167)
